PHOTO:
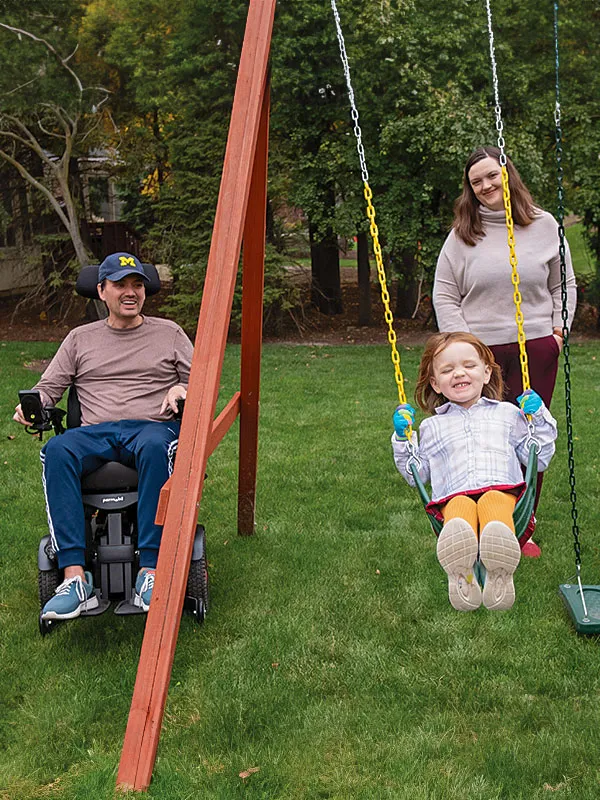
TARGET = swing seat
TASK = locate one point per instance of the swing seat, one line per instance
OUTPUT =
(523, 513)
(571, 597)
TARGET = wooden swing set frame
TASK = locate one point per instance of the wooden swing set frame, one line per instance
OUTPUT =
(240, 216)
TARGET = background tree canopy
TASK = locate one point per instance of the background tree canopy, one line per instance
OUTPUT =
(423, 87)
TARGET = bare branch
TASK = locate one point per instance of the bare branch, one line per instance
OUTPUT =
(49, 133)
(49, 47)
(68, 58)
(24, 173)
(61, 115)
(101, 102)
(16, 138)
(22, 86)
(92, 127)
(27, 138)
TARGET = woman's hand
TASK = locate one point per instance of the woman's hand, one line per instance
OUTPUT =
(558, 336)
(559, 342)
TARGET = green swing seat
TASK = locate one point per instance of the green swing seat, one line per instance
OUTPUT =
(523, 509)
(521, 515)
(571, 596)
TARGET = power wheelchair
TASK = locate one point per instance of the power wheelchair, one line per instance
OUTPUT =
(109, 496)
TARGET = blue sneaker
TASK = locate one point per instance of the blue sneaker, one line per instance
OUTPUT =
(71, 598)
(144, 585)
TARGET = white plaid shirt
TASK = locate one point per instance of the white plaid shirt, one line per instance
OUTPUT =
(465, 449)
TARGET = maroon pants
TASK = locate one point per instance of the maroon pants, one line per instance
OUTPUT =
(542, 357)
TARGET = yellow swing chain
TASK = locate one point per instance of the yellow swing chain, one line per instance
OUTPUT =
(373, 229)
(385, 295)
(515, 281)
(508, 210)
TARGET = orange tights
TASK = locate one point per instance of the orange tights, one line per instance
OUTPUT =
(493, 505)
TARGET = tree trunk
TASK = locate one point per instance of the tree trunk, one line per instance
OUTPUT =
(326, 289)
(407, 291)
(592, 227)
(365, 316)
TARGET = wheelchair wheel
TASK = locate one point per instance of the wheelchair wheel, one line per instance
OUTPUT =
(48, 583)
(197, 587)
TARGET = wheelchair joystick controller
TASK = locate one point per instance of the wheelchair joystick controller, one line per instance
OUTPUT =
(40, 419)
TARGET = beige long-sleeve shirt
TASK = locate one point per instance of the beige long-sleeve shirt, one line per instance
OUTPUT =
(473, 290)
(119, 373)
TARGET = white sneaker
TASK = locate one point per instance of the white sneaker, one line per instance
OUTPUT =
(457, 554)
(500, 554)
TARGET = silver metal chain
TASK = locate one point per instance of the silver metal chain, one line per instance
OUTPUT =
(354, 110)
(497, 106)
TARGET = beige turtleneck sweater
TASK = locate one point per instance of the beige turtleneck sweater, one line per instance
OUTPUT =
(473, 292)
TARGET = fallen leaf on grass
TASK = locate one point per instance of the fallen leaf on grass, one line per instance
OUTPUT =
(556, 788)
(275, 664)
(247, 772)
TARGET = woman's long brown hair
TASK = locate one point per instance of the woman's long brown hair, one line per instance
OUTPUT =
(425, 395)
(467, 221)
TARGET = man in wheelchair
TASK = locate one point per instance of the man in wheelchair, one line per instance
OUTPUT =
(129, 372)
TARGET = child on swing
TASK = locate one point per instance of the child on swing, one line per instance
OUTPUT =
(471, 451)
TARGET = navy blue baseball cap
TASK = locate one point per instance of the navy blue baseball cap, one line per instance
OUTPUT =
(119, 265)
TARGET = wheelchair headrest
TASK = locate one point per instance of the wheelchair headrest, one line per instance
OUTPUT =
(87, 281)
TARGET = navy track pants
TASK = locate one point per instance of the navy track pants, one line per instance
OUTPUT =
(148, 446)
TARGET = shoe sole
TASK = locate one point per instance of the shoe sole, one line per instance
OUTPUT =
(457, 554)
(139, 603)
(500, 554)
(85, 606)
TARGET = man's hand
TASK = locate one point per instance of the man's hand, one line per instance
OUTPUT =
(171, 398)
(18, 416)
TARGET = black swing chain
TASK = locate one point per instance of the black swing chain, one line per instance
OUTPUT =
(563, 289)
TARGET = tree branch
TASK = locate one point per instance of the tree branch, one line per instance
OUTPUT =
(62, 61)
(24, 173)
(27, 139)
(21, 86)
(68, 124)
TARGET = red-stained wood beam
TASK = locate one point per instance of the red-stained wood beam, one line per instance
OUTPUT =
(253, 281)
(223, 422)
(220, 427)
(162, 626)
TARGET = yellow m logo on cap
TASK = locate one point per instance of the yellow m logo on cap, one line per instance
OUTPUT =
(126, 262)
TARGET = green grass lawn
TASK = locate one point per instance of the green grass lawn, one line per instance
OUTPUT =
(344, 262)
(582, 259)
(331, 660)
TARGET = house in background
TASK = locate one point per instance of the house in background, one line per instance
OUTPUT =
(32, 241)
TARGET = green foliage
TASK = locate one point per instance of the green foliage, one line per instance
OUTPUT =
(423, 87)
(280, 296)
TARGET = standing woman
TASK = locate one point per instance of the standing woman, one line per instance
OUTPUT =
(472, 289)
